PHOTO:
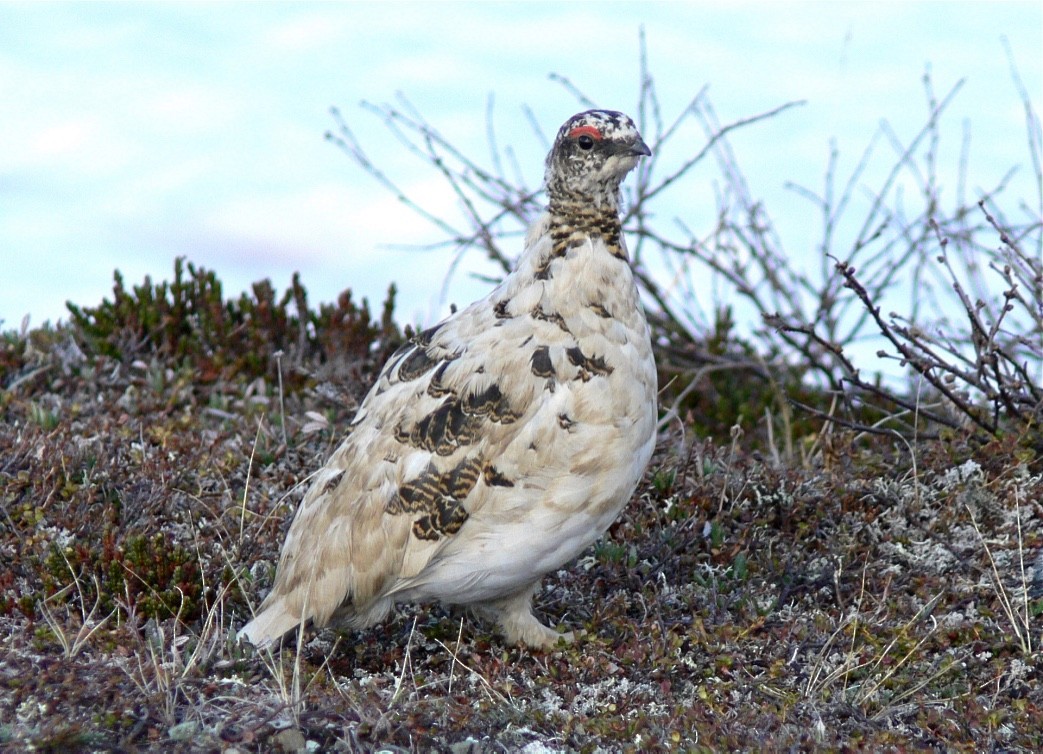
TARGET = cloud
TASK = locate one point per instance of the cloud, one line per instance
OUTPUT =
(309, 32)
(191, 110)
(63, 139)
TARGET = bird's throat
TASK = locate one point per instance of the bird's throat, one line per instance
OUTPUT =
(572, 223)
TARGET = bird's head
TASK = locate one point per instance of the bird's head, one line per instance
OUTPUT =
(592, 153)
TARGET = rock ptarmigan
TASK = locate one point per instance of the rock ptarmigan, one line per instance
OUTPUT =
(500, 443)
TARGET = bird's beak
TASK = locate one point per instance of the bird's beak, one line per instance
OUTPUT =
(636, 148)
(639, 149)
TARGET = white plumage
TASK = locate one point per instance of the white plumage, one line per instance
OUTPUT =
(497, 445)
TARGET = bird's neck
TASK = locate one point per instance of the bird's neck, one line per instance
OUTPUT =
(574, 272)
(573, 219)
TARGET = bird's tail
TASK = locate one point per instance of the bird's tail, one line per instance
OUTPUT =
(269, 625)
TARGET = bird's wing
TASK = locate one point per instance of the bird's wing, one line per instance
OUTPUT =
(425, 452)
(492, 448)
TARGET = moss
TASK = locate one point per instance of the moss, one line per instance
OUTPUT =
(146, 573)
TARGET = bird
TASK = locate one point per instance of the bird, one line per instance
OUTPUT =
(498, 444)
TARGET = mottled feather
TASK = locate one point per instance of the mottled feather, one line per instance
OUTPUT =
(497, 445)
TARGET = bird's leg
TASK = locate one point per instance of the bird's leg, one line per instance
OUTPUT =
(514, 615)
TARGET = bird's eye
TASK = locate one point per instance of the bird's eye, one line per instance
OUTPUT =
(585, 142)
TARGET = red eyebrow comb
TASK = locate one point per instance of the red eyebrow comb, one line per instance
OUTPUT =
(585, 130)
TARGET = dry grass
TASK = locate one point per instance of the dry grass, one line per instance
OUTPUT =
(850, 597)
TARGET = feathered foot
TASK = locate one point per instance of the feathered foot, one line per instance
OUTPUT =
(519, 625)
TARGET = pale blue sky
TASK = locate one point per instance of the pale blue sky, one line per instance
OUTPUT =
(134, 133)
